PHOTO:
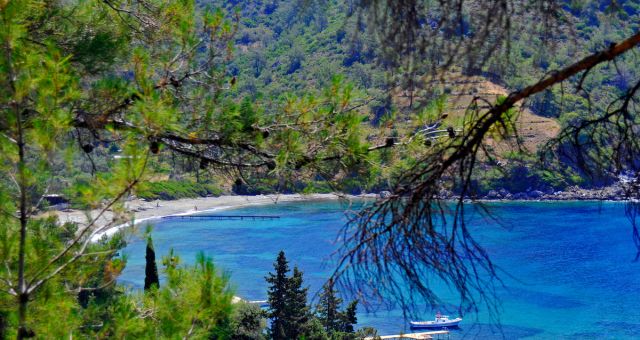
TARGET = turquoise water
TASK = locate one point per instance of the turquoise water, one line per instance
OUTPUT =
(570, 264)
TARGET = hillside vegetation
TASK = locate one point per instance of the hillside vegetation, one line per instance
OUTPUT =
(298, 46)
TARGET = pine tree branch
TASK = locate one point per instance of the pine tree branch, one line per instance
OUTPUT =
(38, 280)
(405, 237)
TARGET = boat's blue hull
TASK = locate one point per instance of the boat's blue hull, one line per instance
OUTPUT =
(435, 325)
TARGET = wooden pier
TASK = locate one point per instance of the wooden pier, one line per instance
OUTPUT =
(418, 336)
(222, 217)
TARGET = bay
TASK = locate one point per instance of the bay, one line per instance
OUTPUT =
(569, 265)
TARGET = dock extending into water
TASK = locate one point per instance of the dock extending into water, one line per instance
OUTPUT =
(222, 217)
(444, 334)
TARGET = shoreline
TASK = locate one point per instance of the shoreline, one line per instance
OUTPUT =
(615, 192)
(143, 210)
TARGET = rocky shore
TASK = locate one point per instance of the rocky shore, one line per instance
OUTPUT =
(610, 193)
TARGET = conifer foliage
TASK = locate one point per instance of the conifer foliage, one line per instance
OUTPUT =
(291, 316)
(151, 278)
(277, 296)
(328, 311)
(298, 311)
(287, 301)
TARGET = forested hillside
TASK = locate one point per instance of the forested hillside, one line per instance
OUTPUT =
(283, 51)
(293, 46)
(297, 47)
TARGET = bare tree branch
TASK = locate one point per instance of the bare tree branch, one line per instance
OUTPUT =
(402, 242)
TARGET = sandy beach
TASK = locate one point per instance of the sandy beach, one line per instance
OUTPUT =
(141, 210)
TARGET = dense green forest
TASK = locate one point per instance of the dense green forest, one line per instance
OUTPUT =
(287, 52)
(102, 101)
(287, 49)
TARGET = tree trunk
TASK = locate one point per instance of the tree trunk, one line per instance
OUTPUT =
(23, 294)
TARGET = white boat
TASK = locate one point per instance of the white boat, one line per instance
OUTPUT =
(441, 321)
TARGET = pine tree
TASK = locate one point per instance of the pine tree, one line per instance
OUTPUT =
(327, 308)
(297, 309)
(150, 270)
(287, 298)
(277, 297)
(328, 312)
(348, 317)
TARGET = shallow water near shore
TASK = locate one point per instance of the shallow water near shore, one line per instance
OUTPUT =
(573, 275)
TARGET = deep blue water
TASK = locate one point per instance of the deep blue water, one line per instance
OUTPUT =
(570, 264)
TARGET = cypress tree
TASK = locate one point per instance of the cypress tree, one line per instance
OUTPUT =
(150, 269)
(277, 297)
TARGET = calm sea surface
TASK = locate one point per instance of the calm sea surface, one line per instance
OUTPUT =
(570, 264)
